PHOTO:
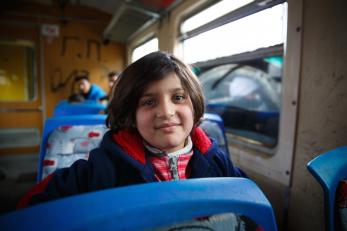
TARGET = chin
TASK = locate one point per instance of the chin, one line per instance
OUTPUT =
(170, 147)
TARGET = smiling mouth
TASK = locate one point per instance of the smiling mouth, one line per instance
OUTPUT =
(167, 125)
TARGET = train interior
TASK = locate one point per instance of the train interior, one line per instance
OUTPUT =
(274, 71)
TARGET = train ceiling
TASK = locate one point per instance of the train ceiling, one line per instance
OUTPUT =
(129, 17)
(133, 16)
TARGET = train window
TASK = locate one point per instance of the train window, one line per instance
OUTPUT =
(241, 68)
(211, 13)
(262, 29)
(247, 96)
(145, 48)
(16, 71)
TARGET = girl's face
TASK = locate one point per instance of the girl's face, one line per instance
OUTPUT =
(164, 116)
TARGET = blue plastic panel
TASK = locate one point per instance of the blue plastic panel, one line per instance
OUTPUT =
(328, 169)
(147, 206)
(86, 107)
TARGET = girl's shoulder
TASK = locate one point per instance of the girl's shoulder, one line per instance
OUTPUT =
(123, 146)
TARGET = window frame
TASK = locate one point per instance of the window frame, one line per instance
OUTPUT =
(278, 167)
(237, 14)
(27, 44)
(242, 12)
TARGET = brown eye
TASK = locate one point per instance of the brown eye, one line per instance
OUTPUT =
(179, 98)
(147, 102)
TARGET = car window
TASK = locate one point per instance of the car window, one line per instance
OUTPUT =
(247, 97)
(209, 77)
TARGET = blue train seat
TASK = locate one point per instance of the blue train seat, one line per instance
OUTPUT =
(213, 125)
(329, 169)
(65, 108)
(68, 138)
(147, 206)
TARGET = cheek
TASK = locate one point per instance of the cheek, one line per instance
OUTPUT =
(138, 118)
(188, 114)
(142, 119)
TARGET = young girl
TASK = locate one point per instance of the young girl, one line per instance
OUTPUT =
(153, 117)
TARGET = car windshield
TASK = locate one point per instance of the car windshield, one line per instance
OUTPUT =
(247, 96)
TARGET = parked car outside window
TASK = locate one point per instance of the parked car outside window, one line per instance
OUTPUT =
(247, 96)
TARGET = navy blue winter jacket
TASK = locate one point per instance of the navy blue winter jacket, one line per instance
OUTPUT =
(121, 160)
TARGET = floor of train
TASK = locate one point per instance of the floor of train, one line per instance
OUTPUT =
(17, 176)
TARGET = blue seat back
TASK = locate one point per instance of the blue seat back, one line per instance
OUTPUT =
(328, 169)
(213, 125)
(55, 124)
(147, 206)
(65, 108)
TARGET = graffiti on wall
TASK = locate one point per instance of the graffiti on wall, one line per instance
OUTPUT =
(93, 43)
(58, 79)
(90, 45)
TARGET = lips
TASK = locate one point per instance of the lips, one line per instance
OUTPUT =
(167, 125)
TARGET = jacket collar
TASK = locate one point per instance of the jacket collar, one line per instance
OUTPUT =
(132, 143)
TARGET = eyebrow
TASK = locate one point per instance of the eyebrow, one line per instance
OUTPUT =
(171, 90)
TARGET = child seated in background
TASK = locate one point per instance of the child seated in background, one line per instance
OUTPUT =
(88, 90)
(75, 98)
(153, 118)
(112, 79)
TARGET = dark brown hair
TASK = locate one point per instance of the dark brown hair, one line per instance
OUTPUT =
(80, 77)
(136, 77)
(112, 73)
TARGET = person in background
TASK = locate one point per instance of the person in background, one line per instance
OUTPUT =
(112, 78)
(87, 89)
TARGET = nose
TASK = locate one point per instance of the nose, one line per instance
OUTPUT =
(165, 109)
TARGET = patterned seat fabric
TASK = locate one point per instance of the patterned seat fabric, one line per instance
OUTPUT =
(66, 144)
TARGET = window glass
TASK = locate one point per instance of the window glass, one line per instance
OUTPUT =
(211, 13)
(210, 77)
(16, 71)
(241, 66)
(263, 29)
(144, 49)
(247, 96)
